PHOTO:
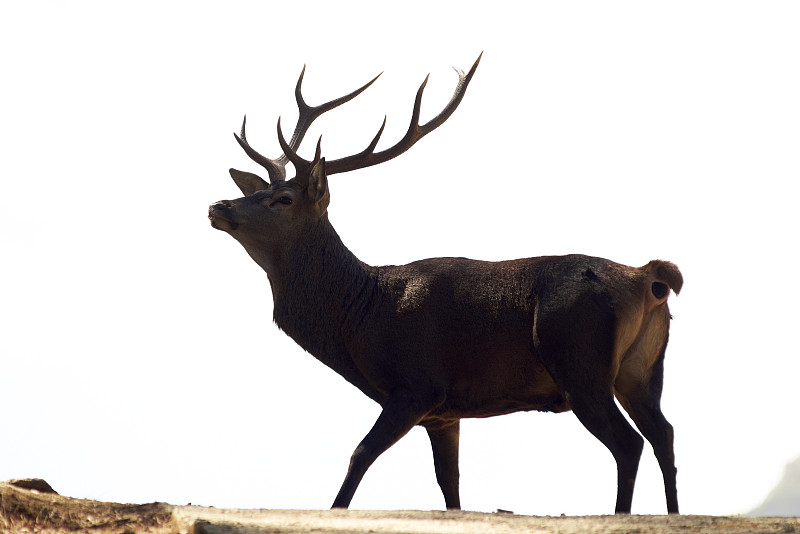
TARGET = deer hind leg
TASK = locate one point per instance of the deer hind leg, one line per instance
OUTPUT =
(575, 339)
(642, 401)
(401, 412)
(444, 442)
(600, 415)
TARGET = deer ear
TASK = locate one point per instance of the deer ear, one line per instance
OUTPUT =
(318, 186)
(248, 182)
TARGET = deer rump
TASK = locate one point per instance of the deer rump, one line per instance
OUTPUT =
(489, 337)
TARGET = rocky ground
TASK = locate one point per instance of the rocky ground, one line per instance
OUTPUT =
(32, 506)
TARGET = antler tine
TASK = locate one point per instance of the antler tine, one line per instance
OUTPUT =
(275, 168)
(301, 165)
(308, 114)
(288, 150)
(415, 132)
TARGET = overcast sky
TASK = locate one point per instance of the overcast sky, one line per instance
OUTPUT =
(139, 361)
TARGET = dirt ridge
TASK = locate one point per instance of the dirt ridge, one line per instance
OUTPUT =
(26, 510)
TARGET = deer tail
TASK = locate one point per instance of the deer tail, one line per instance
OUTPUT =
(665, 276)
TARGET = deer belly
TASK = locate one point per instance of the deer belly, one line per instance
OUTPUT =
(524, 388)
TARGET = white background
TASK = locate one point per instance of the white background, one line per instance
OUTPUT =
(139, 360)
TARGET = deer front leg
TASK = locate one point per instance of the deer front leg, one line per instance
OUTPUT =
(401, 412)
(444, 442)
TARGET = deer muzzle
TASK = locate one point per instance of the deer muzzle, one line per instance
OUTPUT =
(220, 216)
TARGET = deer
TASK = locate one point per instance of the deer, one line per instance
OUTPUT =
(442, 339)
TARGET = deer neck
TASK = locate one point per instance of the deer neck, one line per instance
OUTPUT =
(321, 294)
(314, 266)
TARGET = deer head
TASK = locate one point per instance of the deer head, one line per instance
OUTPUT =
(275, 213)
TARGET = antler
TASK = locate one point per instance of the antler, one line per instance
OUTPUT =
(276, 168)
(415, 132)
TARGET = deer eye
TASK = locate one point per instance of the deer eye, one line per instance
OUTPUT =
(284, 200)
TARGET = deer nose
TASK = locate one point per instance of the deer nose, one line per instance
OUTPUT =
(219, 205)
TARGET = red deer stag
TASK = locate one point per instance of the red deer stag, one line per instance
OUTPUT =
(441, 339)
